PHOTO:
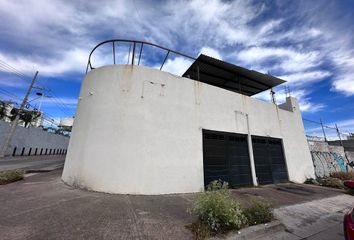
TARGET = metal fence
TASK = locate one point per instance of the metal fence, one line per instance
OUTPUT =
(319, 131)
(326, 146)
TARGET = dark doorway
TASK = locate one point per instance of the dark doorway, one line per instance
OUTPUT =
(269, 160)
(225, 157)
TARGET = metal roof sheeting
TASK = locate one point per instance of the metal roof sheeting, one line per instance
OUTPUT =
(230, 77)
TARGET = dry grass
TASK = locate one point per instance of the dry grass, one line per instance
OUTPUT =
(258, 212)
(9, 176)
(331, 182)
(343, 175)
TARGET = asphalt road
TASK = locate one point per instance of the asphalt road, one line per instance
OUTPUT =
(43, 207)
(33, 163)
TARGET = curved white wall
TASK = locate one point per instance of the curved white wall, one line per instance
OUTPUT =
(139, 130)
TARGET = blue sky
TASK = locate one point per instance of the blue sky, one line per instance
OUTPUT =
(308, 43)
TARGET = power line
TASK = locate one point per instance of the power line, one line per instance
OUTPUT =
(10, 70)
(61, 106)
(10, 94)
(13, 70)
(49, 119)
(61, 102)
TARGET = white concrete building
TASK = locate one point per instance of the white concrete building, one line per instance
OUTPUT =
(66, 123)
(159, 133)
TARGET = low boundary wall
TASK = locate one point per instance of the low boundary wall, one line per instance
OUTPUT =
(327, 159)
(33, 141)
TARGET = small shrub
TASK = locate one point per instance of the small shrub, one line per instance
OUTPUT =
(218, 185)
(311, 181)
(9, 176)
(331, 182)
(217, 210)
(350, 191)
(343, 175)
(258, 212)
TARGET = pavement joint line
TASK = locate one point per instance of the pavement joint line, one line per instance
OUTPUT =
(132, 212)
(296, 235)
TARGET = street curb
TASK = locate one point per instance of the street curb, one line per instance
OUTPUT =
(32, 157)
(256, 231)
(44, 170)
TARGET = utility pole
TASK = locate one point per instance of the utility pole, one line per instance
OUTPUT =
(338, 133)
(13, 126)
(324, 133)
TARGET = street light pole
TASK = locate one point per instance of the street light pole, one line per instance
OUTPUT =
(13, 125)
(40, 102)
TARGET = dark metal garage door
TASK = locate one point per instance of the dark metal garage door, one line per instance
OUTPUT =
(225, 157)
(269, 160)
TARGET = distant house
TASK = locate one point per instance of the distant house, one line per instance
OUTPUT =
(28, 117)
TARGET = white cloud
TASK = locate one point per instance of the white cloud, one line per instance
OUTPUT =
(343, 81)
(55, 37)
(306, 77)
(291, 60)
(297, 67)
(211, 52)
(345, 125)
(73, 60)
(176, 66)
(305, 102)
(306, 106)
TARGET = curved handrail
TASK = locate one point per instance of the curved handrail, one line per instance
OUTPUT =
(133, 43)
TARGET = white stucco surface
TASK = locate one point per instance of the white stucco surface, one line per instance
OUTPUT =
(139, 130)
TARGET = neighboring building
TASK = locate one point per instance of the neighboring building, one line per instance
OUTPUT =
(66, 124)
(139, 130)
(9, 112)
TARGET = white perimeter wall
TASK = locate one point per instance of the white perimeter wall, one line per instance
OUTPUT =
(32, 138)
(139, 130)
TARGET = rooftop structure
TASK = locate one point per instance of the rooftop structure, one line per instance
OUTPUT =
(204, 68)
(230, 77)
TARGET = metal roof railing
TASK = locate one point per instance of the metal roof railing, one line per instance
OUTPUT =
(132, 48)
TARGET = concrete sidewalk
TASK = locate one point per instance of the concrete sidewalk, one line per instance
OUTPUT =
(319, 219)
(285, 194)
(33, 163)
(43, 207)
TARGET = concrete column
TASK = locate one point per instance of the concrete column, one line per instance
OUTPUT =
(250, 149)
